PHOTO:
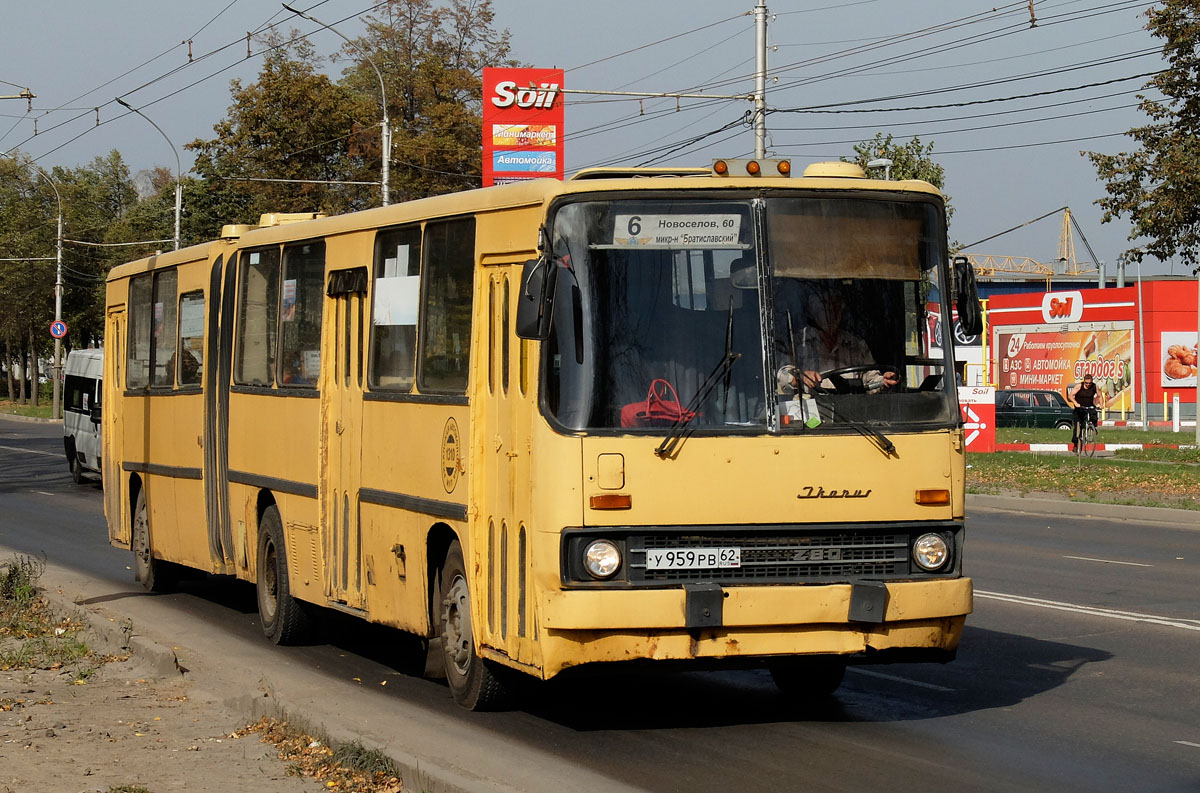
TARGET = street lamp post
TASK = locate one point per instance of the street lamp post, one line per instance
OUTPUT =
(385, 133)
(178, 168)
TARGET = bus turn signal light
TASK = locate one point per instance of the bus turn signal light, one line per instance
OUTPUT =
(933, 497)
(612, 501)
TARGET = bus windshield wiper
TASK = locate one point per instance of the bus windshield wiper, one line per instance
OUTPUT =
(678, 431)
(880, 440)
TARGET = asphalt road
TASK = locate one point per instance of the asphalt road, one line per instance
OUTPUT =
(1078, 671)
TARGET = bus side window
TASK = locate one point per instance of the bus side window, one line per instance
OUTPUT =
(162, 347)
(141, 324)
(394, 308)
(303, 299)
(258, 305)
(446, 321)
(191, 338)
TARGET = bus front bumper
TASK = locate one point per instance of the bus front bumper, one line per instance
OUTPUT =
(597, 626)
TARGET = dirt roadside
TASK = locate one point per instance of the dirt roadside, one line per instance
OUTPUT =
(116, 719)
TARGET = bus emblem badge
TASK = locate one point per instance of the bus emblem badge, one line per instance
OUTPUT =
(451, 464)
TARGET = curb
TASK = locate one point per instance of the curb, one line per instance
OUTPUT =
(1181, 518)
(1103, 447)
(29, 419)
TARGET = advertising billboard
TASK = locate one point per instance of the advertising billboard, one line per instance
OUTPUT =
(522, 125)
(1179, 359)
(1053, 357)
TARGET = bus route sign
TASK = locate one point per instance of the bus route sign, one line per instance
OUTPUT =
(58, 329)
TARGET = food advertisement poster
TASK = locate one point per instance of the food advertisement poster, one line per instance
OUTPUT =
(1053, 357)
(1179, 359)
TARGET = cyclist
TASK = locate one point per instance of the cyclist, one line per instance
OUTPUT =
(1085, 398)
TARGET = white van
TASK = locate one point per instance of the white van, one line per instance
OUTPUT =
(82, 391)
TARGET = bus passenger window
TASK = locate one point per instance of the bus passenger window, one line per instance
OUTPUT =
(191, 338)
(141, 317)
(162, 347)
(394, 308)
(302, 299)
(258, 305)
(446, 321)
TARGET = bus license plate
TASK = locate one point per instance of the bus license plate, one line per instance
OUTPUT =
(692, 558)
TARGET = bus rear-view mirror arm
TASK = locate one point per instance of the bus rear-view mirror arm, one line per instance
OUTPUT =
(535, 300)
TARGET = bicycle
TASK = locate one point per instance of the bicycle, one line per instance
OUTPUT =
(1085, 435)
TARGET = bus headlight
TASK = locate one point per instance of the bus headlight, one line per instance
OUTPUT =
(601, 558)
(931, 552)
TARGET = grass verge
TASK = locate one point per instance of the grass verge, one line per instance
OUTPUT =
(345, 767)
(1106, 480)
(1107, 435)
(32, 634)
(42, 411)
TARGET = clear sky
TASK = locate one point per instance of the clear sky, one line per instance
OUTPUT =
(1008, 105)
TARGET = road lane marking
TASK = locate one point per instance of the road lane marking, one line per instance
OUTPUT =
(43, 493)
(882, 676)
(1094, 611)
(31, 451)
(1107, 561)
(1188, 743)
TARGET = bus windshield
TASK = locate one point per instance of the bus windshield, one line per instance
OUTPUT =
(782, 314)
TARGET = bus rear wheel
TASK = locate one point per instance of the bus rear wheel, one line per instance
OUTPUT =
(474, 681)
(808, 677)
(155, 574)
(285, 620)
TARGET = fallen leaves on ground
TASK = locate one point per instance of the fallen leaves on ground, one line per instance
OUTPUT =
(312, 758)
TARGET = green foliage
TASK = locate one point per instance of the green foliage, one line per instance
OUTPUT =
(1155, 186)
(913, 160)
(18, 585)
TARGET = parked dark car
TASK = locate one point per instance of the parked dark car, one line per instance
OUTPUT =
(1022, 407)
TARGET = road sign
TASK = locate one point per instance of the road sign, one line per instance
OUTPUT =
(58, 329)
(978, 406)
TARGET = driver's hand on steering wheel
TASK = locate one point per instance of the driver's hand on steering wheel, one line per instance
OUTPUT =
(890, 380)
(812, 379)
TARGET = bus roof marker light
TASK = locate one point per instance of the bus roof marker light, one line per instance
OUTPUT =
(784, 167)
(753, 168)
(720, 167)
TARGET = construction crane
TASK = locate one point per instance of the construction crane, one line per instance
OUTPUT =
(1066, 265)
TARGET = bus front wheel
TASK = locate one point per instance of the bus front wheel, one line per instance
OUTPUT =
(155, 574)
(474, 681)
(285, 620)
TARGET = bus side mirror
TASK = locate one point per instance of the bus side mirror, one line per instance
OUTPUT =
(966, 299)
(535, 301)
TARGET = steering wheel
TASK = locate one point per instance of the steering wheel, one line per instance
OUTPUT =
(840, 385)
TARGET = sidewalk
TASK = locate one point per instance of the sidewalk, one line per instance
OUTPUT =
(1056, 504)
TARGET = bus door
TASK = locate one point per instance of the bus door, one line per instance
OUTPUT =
(505, 492)
(110, 417)
(342, 371)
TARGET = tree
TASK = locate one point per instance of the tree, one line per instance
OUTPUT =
(1156, 186)
(913, 160)
(293, 123)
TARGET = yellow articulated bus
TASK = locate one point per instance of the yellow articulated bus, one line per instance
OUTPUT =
(639, 415)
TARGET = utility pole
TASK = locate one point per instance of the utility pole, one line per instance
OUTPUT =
(760, 81)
